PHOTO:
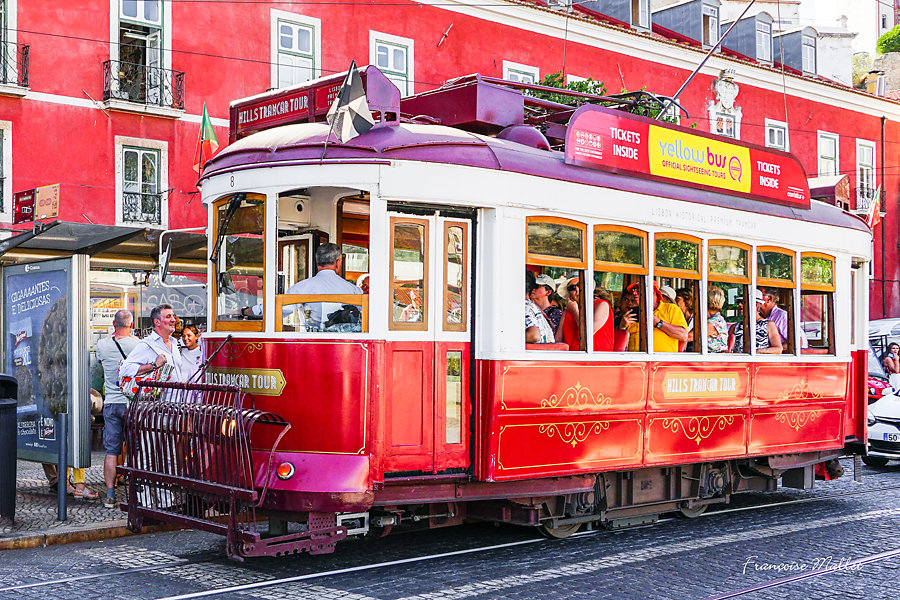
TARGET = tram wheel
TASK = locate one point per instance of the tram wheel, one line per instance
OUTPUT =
(691, 513)
(559, 532)
(875, 461)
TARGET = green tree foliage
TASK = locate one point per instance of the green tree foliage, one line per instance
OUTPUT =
(889, 42)
(558, 80)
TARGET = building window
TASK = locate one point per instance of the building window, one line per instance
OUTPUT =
(763, 42)
(140, 69)
(5, 171)
(828, 154)
(809, 54)
(296, 43)
(724, 125)
(640, 13)
(710, 25)
(394, 56)
(520, 73)
(777, 135)
(865, 174)
(141, 177)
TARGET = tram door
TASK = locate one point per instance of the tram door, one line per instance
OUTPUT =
(428, 348)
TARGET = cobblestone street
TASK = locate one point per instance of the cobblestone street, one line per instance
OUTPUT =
(773, 537)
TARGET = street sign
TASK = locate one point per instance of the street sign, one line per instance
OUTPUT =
(47, 202)
(23, 206)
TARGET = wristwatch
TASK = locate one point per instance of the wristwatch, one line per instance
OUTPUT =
(659, 324)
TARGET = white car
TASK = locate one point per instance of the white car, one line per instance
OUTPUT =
(884, 430)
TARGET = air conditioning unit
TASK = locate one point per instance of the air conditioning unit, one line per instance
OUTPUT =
(294, 210)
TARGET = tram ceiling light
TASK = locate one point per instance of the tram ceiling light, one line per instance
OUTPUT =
(285, 471)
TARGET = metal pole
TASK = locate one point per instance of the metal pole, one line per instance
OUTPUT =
(857, 468)
(62, 481)
(690, 78)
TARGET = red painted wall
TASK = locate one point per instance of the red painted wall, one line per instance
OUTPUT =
(225, 55)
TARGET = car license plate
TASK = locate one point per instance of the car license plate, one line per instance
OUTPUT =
(892, 437)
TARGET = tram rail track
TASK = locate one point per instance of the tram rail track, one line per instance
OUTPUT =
(211, 558)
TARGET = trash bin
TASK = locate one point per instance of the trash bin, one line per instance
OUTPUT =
(9, 389)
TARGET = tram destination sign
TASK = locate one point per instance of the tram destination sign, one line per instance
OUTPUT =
(611, 140)
(283, 107)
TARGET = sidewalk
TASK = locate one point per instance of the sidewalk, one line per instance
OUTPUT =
(36, 511)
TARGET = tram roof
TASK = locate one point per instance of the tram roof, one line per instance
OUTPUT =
(303, 143)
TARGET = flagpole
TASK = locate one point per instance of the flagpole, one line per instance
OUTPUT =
(331, 128)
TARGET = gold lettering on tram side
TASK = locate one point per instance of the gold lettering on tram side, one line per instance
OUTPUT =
(698, 385)
(259, 382)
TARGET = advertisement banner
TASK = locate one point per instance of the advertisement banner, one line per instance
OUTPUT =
(611, 140)
(41, 352)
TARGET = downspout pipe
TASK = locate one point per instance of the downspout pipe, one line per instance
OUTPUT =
(883, 191)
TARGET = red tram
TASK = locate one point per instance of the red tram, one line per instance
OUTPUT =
(433, 409)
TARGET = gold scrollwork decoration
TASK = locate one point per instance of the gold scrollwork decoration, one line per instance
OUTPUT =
(799, 391)
(577, 396)
(573, 433)
(234, 350)
(698, 428)
(798, 420)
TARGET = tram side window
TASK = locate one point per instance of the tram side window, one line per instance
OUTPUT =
(409, 274)
(775, 283)
(729, 280)
(554, 304)
(620, 273)
(677, 265)
(238, 254)
(817, 303)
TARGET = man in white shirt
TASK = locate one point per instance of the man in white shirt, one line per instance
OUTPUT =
(327, 281)
(157, 349)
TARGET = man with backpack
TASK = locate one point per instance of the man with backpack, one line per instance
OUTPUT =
(111, 352)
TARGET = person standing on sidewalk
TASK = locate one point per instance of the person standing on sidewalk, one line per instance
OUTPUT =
(111, 352)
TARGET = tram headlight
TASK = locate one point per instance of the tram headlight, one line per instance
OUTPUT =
(285, 471)
(228, 427)
(870, 418)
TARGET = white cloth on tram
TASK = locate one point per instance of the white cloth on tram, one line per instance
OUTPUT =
(146, 352)
(326, 281)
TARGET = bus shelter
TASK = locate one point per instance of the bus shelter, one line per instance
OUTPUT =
(61, 284)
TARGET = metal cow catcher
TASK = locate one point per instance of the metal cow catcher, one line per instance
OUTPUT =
(419, 398)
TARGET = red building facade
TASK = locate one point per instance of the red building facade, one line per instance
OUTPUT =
(105, 98)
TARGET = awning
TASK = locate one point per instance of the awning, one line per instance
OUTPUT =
(109, 246)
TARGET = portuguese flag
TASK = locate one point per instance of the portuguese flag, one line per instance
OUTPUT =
(206, 143)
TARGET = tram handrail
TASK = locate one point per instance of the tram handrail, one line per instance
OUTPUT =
(361, 300)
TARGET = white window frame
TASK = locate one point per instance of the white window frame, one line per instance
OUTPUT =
(643, 17)
(163, 148)
(710, 24)
(511, 69)
(823, 136)
(6, 171)
(165, 27)
(806, 55)
(734, 125)
(408, 44)
(865, 173)
(275, 16)
(764, 48)
(772, 124)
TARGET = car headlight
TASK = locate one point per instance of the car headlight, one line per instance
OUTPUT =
(870, 418)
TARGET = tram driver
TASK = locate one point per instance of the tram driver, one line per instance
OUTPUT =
(322, 315)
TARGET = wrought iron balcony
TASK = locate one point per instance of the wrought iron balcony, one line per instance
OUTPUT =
(14, 64)
(142, 209)
(142, 84)
(865, 195)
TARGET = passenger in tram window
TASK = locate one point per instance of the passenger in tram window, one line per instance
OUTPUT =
(544, 287)
(605, 323)
(768, 340)
(569, 330)
(684, 299)
(537, 328)
(775, 313)
(669, 325)
(716, 327)
(669, 294)
(629, 308)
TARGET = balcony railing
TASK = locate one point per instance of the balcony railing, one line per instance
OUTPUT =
(143, 209)
(865, 195)
(141, 84)
(14, 64)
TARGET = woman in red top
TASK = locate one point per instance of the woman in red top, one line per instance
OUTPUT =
(569, 292)
(604, 332)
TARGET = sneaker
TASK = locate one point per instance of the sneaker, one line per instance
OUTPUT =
(109, 502)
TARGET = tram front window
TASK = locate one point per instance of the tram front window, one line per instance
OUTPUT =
(238, 256)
